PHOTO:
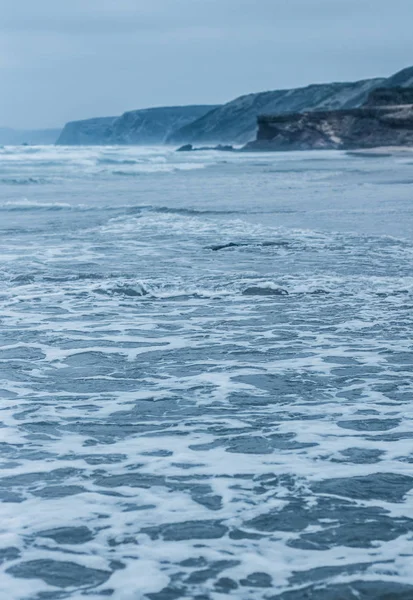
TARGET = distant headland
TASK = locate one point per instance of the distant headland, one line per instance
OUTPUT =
(361, 114)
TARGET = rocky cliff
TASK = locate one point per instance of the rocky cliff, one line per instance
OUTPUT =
(87, 133)
(148, 126)
(232, 123)
(154, 125)
(370, 126)
(390, 96)
(403, 78)
(236, 122)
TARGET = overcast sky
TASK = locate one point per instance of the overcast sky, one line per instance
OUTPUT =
(62, 60)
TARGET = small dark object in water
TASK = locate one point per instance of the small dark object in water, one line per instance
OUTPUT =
(220, 148)
(261, 291)
(225, 246)
(278, 244)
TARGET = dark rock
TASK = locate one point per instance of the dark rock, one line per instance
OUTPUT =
(220, 148)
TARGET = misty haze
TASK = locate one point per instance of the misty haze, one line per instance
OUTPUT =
(206, 294)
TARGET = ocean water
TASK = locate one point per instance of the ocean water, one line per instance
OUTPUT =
(205, 375)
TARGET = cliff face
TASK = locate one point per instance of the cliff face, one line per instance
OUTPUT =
(403, 78)
(232, 123)
(390, 96)
(147, 126)
(87, 133)
(366, 127)
(236, 122)
(153, 125)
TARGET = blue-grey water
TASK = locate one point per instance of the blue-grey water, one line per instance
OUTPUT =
(205, 375)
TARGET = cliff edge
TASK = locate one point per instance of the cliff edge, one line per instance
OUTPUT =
(371, 126)
(236, 121)
(88, 132)
(149, 126)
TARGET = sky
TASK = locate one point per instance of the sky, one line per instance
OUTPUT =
(62, 60)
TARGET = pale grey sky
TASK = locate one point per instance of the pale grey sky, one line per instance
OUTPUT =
(70, 59)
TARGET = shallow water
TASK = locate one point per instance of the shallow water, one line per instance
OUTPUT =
(206, 375)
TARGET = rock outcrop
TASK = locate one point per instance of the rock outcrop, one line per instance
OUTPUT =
(147, 126)
(372, 125)
(236, 121)
(219, 148)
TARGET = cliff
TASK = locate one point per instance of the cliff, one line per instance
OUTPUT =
(390, 96)
(236, 121)
(370, 126)
(232, 123)
(147, 126)
(87, 133)
(154, 125)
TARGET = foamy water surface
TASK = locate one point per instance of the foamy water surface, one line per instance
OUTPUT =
(205, 375)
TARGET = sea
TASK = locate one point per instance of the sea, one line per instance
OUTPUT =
(205, 375)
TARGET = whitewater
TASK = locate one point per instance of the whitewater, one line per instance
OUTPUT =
(205, 375)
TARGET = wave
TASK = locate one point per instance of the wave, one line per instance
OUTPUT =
(127, 173)
(288, 288)
(26, 205)
(24, 181)
(190, 212)
(31, 205)
(155, 168)
(193, 211)
(113, 161)
(137, 290)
